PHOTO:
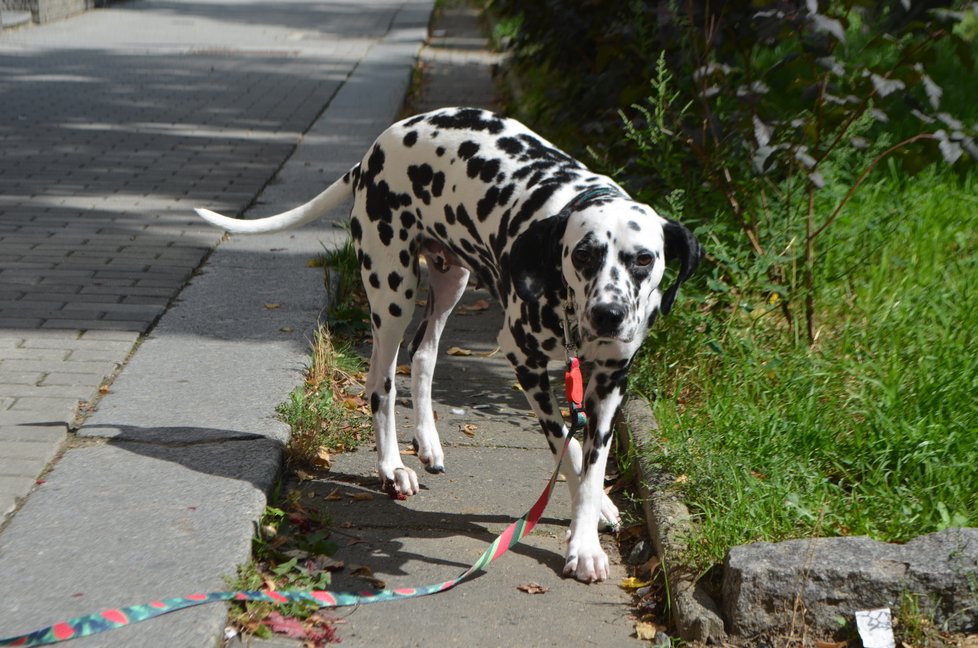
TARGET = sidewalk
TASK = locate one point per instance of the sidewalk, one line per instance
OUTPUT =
(157, 493)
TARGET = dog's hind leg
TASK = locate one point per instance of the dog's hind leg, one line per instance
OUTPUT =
(391, 292)
(446, 284)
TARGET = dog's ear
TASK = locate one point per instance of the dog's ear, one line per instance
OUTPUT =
(535, 257)
(682, 246)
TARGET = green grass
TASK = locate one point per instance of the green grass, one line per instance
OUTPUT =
(323, 416)
(874, 429)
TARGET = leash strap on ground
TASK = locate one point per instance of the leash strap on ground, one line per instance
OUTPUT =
(89, 624)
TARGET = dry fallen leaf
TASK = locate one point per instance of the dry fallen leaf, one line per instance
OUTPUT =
(682, 479)
(478, 305)
(335, 496)
(361, 497)
(403, 370)
(632, 583)
(303, 475)
(469, 429)
(272, 306)
(286, 329)
(648, 568)
(832, 644)
(645, 631)
(533, 588)
(458, 351)
(323, 459)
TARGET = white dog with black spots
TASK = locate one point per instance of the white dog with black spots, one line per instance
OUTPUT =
(474, 192)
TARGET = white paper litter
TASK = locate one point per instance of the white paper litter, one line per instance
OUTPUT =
(875, 628)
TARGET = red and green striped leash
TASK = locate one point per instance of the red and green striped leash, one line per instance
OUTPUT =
(90, 624)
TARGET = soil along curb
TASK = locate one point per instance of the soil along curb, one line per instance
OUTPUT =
(695, 614)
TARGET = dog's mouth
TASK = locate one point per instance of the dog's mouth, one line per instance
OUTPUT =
(592, 337)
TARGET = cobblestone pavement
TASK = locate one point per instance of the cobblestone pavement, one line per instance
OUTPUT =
(112, 125)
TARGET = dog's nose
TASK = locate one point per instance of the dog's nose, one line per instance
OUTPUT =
(607, 318)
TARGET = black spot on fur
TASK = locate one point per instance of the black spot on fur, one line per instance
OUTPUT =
(394, 280)
(387, 385)
(421, 176)
(437, 184)
(374, 402)
(635, 226)
(394, 310)
(386, 233)
(467, 149)
(468, 119)
(411, 138)
(418, 337)
(405, 258)
(510, 145)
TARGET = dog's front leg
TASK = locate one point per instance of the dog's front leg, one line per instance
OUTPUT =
(586, 560)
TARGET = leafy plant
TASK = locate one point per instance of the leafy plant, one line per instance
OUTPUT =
(291, 549)
(785, 112)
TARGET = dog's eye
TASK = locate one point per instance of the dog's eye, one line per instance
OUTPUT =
(581, 256)
(643, 259)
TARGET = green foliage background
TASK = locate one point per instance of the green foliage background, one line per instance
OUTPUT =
(819, 374)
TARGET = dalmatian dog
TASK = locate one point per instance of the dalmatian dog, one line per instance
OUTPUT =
(474, 192)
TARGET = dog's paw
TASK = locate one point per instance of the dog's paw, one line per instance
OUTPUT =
(610, 516)
(586, 560)
(433, 459)
(401, 483)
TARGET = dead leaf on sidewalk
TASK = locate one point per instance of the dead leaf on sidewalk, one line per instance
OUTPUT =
(361, 497)
(533, 588)
(458, 351)
(632, 583)
(364, 573)
(478, 305)
(272, 306)
(403, 370)
(469, 429)
(335, 496)
(323, 459)
(648, 568)
(645, 631)
(832, 644)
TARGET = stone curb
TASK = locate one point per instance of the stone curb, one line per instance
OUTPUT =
(695, 614)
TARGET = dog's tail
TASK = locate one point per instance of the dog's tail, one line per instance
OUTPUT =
(319, 206)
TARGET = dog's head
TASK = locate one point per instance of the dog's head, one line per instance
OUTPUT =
(611, 253)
